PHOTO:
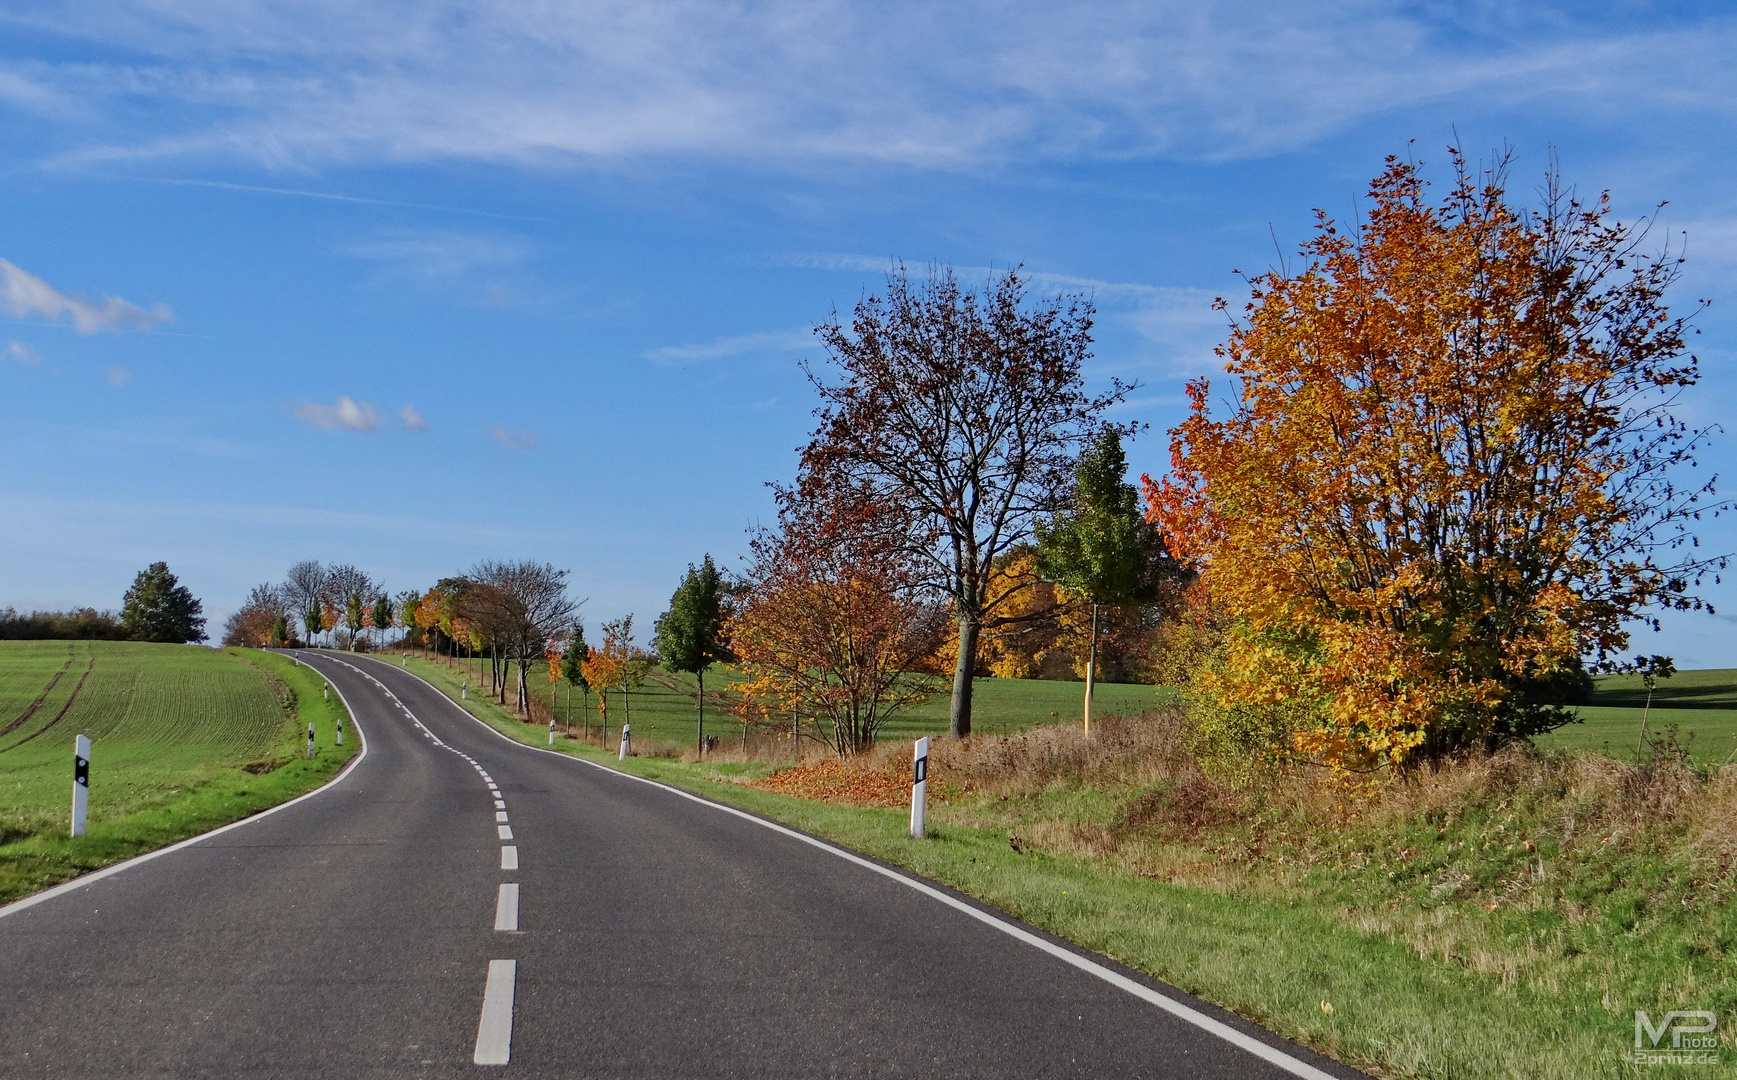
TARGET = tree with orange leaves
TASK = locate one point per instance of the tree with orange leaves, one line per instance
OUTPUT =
(606, 666)
(1451, 471)
(832, 624)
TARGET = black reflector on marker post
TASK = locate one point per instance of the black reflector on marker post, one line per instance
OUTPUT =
(919, 784)
(80, 783)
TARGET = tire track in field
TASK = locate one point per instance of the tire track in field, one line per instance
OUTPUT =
(64, 709)
(30, 710)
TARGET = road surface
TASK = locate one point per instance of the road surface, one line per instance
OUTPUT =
(458, 904)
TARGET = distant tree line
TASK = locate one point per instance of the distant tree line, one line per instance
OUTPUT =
(157, 608)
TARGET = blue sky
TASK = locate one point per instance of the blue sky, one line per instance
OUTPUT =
(583, 244)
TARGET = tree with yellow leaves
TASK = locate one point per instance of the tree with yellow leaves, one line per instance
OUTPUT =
(1452, 468)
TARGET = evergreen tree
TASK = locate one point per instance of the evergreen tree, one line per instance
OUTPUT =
(690, 634)
(159, 608)
(1102, 550)
(573, 670)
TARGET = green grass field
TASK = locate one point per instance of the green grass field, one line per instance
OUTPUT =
(183, 739)
(1701, 704)
(664, 709)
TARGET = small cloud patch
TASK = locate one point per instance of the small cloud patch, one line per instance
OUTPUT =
(512, 440)
(117, 377)
(413, 420)
(344, 414)
(23, 352)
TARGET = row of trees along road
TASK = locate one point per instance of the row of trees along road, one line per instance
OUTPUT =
(1452, 467)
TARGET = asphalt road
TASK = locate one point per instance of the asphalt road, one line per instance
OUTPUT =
(367, 930)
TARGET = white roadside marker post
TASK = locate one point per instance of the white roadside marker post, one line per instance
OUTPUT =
(310, 738)
(919, 784)
(551, 729)
(327, 691)
(340, 731)
(80, 783)
(464, 691)
(624, 737)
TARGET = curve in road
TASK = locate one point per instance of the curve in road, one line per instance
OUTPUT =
(462, 901)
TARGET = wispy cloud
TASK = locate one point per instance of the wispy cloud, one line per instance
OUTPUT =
(719, 348)
(344, 414)
(512, 440)
(955, 85)
(23, 294)
(412, 419)
(440, 255)
(117, 377)
(24, 353)
(1178, 320)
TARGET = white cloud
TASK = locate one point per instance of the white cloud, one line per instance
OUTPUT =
(413, 420)
(117, 377)
(718, 348)
(23, 352)
(23, 294)
(344, 413)
(512, 440)
(955, 85)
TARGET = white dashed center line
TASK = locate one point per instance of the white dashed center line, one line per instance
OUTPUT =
(500, 815)
(499, 805)
(507, 908)
(506, 831)
(509, 858)
(494, 1032)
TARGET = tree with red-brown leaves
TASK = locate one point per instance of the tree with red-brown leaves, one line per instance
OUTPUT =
(964, 411)
(833, 623)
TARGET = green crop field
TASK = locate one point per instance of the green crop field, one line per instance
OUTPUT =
(183, 738)
(1701, 705)
(664, 709)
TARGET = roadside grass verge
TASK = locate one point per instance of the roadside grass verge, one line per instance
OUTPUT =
(1421, 919)
(185, 739)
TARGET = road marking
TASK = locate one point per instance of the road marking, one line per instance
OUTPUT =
(506, 831)
(507, 907)
(494, 1032)
(509, 858)
(500, 815)
(499, 805)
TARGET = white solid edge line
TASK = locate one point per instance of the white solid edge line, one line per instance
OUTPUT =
(509, 858)
(494, 1030)
(507, 907)
(108, 871)
(1270, 1054)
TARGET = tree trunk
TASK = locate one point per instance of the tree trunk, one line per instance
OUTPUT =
(1091, 669)
(959, 717)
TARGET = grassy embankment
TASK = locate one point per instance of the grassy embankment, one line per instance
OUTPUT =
(1500, 919)
(183, 739)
